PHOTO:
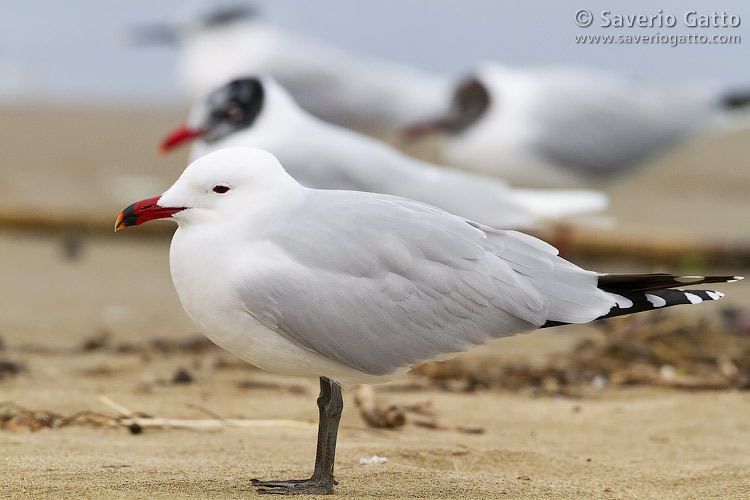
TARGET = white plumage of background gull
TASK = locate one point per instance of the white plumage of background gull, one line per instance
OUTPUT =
(329, 82)
(258, 112)
(357, 287)
(560, 127)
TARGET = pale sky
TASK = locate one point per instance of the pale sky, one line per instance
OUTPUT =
(74, 50)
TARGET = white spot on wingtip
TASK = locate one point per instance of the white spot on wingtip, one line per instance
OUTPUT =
(655, 300)
(622, 302)
(693, 298)
(714, 295)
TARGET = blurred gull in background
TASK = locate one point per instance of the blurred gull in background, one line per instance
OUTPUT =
(566, 127)
(330, 83)
(258, 112)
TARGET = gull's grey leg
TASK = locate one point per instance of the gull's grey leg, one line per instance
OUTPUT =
(330, 405)
(333, 415)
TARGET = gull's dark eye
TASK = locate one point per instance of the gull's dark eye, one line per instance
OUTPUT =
(234, 113)
(220, 189)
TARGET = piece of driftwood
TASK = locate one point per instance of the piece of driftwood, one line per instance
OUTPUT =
(379, 418)
(663, 248)
(572, 240)
(394, 416)
(58, 220)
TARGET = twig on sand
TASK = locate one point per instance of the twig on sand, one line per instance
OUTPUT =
(434, 424)
(208, 424)
(116, 406)
(139, 421)
(206, 411)
(16, 418)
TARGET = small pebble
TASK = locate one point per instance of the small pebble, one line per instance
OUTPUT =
(599, 382)
(182, 376)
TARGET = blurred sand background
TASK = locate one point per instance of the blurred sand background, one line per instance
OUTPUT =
(80, 307)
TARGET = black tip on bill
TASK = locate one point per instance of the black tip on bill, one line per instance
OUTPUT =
(127, 217)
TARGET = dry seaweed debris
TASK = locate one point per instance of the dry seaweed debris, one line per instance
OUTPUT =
(10, 368)
(389, 417)
(103, 342)
(16, 418)
(194, 344)
(650, 349)
(394, 416)
(262, 385)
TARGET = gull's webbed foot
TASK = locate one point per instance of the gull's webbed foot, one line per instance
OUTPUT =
(311, 486)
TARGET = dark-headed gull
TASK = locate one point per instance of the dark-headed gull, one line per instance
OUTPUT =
(331, 83)
(357, 287)
(562, 127)
(258, 112)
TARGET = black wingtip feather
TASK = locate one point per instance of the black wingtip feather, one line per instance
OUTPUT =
(654, 299)
(653, 291)
(669, 297)
(655, 281)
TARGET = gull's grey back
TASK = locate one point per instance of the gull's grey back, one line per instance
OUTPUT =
(378, 282)
(602, 126)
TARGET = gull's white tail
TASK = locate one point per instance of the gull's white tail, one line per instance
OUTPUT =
(558, 203)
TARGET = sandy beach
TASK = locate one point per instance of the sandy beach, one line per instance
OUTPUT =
(81, 309)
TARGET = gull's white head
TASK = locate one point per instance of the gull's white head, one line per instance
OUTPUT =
(228, 181)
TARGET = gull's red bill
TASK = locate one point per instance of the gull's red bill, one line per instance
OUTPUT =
(143, 211)
(178, 136)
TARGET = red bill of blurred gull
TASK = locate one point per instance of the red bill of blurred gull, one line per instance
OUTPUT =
(357, 287)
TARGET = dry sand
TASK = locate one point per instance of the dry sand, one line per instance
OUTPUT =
(60, 288)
